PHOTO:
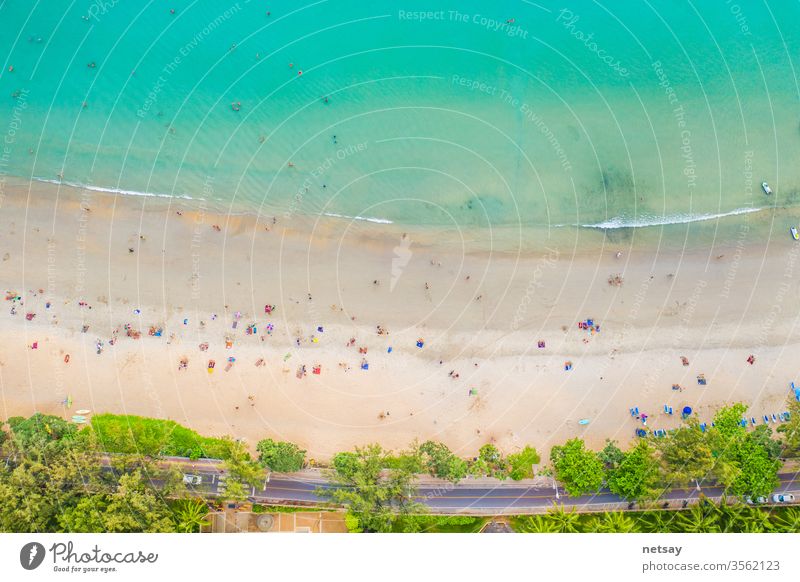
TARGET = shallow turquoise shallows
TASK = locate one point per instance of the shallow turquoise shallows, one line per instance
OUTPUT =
(431, 113)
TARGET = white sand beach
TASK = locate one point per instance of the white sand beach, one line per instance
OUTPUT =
(104, 262)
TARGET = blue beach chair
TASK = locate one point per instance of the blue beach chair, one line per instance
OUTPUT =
(766, 419)
(753, 420)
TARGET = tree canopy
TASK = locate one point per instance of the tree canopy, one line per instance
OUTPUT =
(280, 456)
(636, 477)
(576, 467)
(375, 497)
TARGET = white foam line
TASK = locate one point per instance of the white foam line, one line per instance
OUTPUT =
(109, 190)
(364, 218)
(620, 222)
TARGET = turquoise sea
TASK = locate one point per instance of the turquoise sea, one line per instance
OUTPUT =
(432, 113)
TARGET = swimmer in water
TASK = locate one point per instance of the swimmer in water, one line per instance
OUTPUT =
(92, 65)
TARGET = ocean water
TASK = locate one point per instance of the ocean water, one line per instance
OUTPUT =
(452, 114)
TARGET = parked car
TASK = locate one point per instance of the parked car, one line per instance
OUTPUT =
(758, 500)
(190, 479)
(785, 498)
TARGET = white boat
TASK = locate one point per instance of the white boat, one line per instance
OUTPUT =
(793, 232)
(766, 188)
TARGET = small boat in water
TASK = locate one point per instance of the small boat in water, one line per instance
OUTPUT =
(793, 232)
(766, 188)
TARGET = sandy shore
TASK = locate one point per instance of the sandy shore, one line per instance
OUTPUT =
(105, 262)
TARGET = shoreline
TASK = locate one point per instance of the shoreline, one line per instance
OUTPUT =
(699, 302)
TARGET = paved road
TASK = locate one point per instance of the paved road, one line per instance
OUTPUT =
(464, 497)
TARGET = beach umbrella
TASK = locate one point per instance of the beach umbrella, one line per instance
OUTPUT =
(687, 410)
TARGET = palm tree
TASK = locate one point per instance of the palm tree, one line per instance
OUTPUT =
(698, 520)
(789, 522)
(190, 515)
(612, 522)
(565, 521)
(658, 521)
(761, 519)
(730, 518)
(537, 524)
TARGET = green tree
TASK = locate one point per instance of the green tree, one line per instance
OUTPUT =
(87, 516)
(612, 522)
(577, 468)
(489, 463)
(697, 520)
(41, 434)
(134, 507)
(637, 476)
(788, 521)
(658, 521)
(563, 520)
(686, 455)
(744, 461)
(280, 456)
(374, 496)
(522, 463)
(791, 428)
(536, 524)
(242, 471)
(440, 462)
(762, 436)
(756, 474)
(190, 515)
(611, 455)
(25, 506)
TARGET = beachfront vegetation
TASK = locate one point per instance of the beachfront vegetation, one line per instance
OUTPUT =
(707, 517)
(791, 429)
(439, 524)
(577, 468)
(243, 473)
(489, 463)
(439, 461)
(280, 456)
(125, 433)
(522, 463)
(54, 480)
(686, 455)
(375, 497)
(57, 477)
(636, 476)
(745, 462)
(190, 515)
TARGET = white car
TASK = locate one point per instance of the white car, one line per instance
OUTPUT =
(785, 498)
(758, 500)
(190, 479)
